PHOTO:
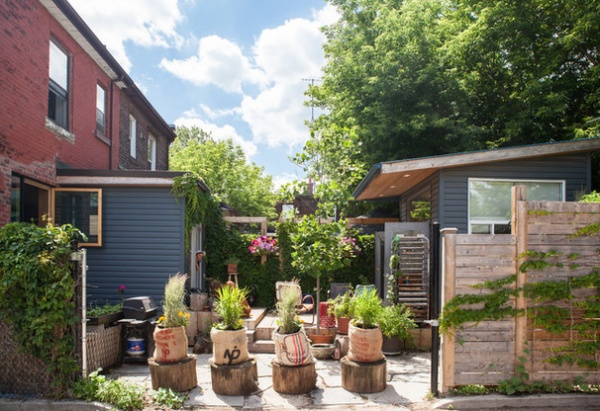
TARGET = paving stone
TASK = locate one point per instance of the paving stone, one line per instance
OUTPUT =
(271, 398)
(335, 396)
(206, 397)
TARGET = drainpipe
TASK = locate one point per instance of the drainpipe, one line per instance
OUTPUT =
(435, 306)
(110, 125)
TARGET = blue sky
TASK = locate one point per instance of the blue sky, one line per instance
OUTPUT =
(234, 68)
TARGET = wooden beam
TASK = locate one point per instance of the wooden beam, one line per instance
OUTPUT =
(244, 220)
(519, 230)
(449, 284)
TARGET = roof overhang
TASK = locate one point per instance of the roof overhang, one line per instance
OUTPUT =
(394, 178)
(120, 178)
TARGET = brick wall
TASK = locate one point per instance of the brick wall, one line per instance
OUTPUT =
(144, 128)
(27, 146)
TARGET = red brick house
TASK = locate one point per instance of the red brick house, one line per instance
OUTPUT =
(66, 104)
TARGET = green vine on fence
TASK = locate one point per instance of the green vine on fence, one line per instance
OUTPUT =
(37, 294)
(552, 307)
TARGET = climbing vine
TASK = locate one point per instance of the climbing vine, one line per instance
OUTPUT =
(37, 294)
(552, 310)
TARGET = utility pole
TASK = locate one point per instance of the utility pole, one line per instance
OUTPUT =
(312, 105)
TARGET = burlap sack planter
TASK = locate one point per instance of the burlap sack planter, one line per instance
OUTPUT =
(230, 347)
(364, 344)
(292, 349)
(170, 344)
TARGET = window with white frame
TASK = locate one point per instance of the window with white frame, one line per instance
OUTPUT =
(58, 86)
(490, 201)
(152, 151)
(100, 110)
(132, 136)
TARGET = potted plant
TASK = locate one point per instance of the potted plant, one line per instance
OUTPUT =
(104, 314)
(230, 345)
(232, 265)
(292, 347)
(319, 248)
(395, 322)
(170, 335)
(364, 334)
(342, 307)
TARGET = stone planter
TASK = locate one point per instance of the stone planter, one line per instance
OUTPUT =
(391, 345)
(323, 351)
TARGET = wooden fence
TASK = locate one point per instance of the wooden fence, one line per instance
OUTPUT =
(490, 351)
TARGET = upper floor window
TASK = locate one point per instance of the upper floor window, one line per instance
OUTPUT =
(490, 201)
(152, 152)
(100, 110)
(132, 136)
(58, 93)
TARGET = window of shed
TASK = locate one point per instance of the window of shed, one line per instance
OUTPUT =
(82, 208)
(490, 201)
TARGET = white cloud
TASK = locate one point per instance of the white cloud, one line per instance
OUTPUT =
(284, 178)
(219, 62)
(145, 23)
(191, 118)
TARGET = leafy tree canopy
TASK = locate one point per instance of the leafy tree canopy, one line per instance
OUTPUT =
(415, 78)
(224, 168)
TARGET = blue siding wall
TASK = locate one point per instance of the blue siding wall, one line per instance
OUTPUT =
(142, 244)
(574, 169)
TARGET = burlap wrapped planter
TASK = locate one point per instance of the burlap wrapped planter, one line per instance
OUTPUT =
(364, 344)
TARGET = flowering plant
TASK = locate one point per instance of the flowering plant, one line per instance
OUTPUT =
(263, 245)
(349, 247)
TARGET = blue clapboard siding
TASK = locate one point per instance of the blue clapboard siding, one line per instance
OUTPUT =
(142, 244)
(453, 190)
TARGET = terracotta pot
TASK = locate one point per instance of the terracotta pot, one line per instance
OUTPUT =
(342, 324)
(170, 344)
(292, 349)
(229, 346)
(364, 344)
(232, 268)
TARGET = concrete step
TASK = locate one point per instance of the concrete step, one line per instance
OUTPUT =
(262, 346)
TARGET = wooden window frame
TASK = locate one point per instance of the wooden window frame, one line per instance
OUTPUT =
(97, 243)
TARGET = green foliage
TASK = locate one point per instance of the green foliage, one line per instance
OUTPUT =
(593, 197)
(167, 397)
(229, 307)
(175, 310)
(317, 248)
(367, 310)
(421, 211)
(224, 168)
(342, 306)
(97, 311)
(473, 389)
(37, 294)
(287, 318)
(123, 395)
(396, 320)
(495, 305)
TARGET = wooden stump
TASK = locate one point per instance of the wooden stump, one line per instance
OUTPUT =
(294, 380)
(238, 379)
(363, 377)
(178, 376)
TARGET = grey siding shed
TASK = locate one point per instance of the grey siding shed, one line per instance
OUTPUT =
(453, 202)
(143, 244)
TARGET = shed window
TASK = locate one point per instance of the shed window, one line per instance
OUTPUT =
(490, 201)
(29, 201)
(58, 93)
(82, 208)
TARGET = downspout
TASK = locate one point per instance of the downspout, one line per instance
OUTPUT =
(110, 126)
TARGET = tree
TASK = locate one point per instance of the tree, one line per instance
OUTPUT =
(414, 78)
(224, 168)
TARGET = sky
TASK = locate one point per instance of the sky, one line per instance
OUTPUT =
(236, 68)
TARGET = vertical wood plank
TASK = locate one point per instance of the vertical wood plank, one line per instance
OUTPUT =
(449, 290)
(519, 230)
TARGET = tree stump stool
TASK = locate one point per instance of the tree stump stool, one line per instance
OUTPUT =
(178, 376)
(238, 379)
(363, 377)
(294, 380)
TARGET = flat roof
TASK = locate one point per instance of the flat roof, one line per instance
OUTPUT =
(394, 178)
